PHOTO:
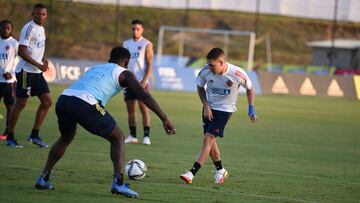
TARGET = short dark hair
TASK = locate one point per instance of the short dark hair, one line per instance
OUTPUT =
(119, 54)
(215, 53)
(39, 6)
(4, 22)
(137, 21)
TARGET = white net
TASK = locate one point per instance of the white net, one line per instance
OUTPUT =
(196, 43)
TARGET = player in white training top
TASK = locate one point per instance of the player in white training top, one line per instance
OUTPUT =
(141, 50)
(8, 56)
(222, 81)
(29, 75)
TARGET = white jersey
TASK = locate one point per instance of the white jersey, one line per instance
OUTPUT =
(33, 36)
(8, 53)
(222, 90)
(137, 63)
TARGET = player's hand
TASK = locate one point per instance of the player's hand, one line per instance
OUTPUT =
(45, 66)
(7, 76)
(252, 114)
(208, 113)
(169, 127)
(143, 83)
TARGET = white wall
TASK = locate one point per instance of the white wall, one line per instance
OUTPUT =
(348, 10)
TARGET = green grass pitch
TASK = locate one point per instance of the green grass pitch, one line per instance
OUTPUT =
(303, 149)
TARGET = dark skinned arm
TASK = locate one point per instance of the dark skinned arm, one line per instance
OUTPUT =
(127, 79)
(24, 54)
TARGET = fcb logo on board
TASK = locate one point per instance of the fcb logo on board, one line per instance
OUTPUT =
(229, 83)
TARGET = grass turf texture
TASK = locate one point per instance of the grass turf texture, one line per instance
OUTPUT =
(303, 149)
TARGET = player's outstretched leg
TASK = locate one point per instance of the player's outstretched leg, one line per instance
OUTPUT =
(187, 177)
(221, 175)
(55, 154)
(122, 189)
(208, 141)
(117, 154)
(44, 183)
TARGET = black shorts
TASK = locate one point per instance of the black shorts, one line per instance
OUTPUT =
(30, 84)
(7, 90)
(129, 95)
(218, 123)
(94, 118)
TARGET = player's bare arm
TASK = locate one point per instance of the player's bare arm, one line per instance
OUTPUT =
(7, 75)
(45, 62)
(207, 109)
(149, 55)
(127, 79)
(250, 97)
(23, 53)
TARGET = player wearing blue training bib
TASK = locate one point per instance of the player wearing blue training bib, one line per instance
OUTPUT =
(84, 103)
(222, 81)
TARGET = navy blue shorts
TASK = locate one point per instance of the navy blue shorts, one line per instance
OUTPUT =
(94, 118)
(129, 95)
(30, 84)
(7, 90)
(218, 123)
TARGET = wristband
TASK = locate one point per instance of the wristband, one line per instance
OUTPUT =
(251, 111)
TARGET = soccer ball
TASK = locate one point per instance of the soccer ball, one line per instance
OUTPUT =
(135, 169)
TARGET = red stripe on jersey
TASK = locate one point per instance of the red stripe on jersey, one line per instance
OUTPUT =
(12, 90)
(241, 75)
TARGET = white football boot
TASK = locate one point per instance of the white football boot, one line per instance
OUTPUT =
(131, 139)
(220, 175)
(187, 177)
(146, 140)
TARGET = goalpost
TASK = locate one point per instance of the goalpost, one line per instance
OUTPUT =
(196, 42)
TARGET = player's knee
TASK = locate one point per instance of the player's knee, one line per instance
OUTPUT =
(208, 139)
(46, 103)
(131, 109)
(143, 110)
(117, 139)
(66, 140)
(116, 136)
(19, 105)
(9, 107)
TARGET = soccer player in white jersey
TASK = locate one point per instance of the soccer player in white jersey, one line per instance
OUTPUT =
(141, 50)
(222, 81)
(29, 75)
(8, 54)
(84, 103)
